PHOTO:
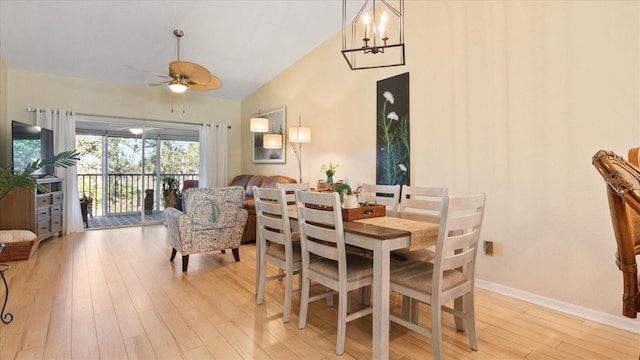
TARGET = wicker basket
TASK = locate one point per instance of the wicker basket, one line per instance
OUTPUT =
(18, 244)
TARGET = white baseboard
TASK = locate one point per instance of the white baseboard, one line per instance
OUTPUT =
(628, 324)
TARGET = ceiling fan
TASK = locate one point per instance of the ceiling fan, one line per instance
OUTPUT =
(185, 75)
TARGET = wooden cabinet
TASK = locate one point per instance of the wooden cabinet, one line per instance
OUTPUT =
(40, 212)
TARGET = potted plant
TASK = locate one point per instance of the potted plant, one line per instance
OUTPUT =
(343, 190)
(329, 171)
(170, 191)
(10, 179)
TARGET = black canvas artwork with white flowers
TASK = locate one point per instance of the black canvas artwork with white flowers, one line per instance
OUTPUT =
(393, 147)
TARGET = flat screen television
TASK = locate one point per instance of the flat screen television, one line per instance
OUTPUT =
(31, 143)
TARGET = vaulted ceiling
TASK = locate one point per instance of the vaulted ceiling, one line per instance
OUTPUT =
(243, 42)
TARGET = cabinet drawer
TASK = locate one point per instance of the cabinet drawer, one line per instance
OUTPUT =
(43, 228)
(43, 200)
(56, 197)
(56, 224)
(43, 213)
(56, 209)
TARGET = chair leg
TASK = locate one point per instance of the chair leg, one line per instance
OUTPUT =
(304, 300)
(262, 279)
(288, 294)
(459, 304)
(365, 295)
(236, 254)
(406, 306)
(173, 254)
(471, 321)
(343, 299)
(185, 262)
(414, 310)
(436, 330)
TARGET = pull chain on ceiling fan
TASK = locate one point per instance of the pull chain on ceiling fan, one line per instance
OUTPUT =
(188, 75)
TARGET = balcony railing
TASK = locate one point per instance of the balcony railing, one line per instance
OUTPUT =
(124, 193)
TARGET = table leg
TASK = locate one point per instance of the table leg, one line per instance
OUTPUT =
(381, 276)
(3, 316)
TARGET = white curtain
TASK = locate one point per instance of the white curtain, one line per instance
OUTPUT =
(63, 124)
(214, 152)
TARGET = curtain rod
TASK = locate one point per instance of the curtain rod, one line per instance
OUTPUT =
(133, 118)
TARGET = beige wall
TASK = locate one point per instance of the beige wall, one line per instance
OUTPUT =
(510, 98)
(4, 135)
(30, 89)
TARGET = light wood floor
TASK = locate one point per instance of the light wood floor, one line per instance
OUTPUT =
(113, 294)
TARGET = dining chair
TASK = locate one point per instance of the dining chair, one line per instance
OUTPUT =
(387, 195)
(273, 226)
(290, 193)
(322, 236)
(623, 193)
(450, 276)
(290, 190)
(427, 201)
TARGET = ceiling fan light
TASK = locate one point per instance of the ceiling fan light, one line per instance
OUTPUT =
(177, 86)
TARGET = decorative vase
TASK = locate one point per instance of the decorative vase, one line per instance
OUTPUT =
(329, 179)
(350, 201)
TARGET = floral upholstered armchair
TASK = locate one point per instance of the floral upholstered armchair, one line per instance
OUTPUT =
(213, 219)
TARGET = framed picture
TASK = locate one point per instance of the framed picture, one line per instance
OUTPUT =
(277, 125)
(392, 142)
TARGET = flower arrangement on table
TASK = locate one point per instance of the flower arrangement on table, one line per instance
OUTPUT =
(329, 171)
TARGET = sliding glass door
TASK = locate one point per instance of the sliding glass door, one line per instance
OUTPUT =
(132, 173)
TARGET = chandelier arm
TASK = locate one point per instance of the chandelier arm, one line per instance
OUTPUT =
(391, 8)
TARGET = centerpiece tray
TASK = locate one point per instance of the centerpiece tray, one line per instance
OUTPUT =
(362, 212)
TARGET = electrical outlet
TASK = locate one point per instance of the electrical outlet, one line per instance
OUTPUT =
(487, 247)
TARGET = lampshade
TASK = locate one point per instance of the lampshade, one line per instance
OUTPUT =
(300, 134)
(259, 124)
(136, 131)
(272, 141)
(177, 86)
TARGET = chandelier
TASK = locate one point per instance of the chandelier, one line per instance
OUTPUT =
(375, 36)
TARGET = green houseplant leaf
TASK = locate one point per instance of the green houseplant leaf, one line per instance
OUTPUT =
(10, 179)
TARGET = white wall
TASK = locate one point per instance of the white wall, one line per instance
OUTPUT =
(510, 98)
(28, 89)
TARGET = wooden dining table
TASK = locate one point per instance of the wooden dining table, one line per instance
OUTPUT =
(381, 240)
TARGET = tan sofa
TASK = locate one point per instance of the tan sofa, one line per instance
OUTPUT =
(248, 182)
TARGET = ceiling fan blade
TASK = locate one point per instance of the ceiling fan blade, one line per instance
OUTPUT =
(158, 83)
(196, 74)
(149, 72)
(215, 83)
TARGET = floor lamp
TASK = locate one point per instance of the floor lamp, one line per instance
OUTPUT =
(299, 135)
(296, 135)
